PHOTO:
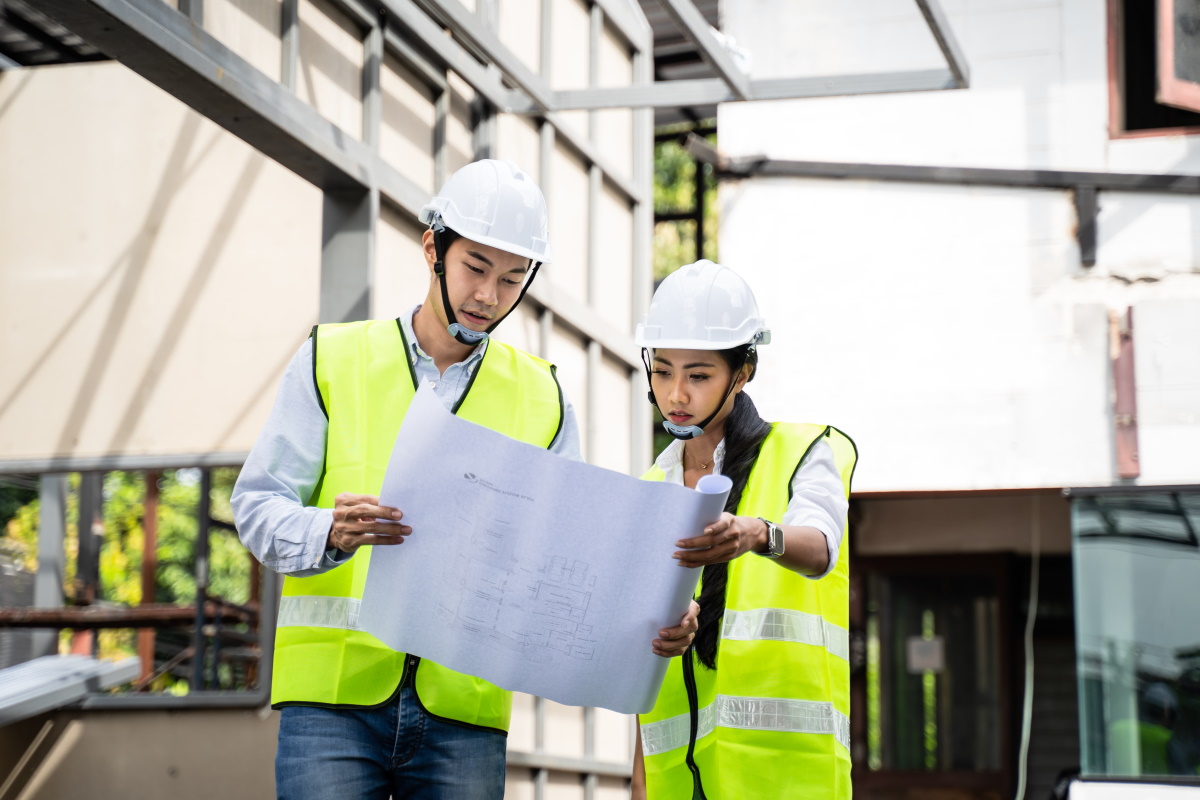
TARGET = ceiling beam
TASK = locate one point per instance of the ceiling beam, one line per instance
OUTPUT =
(939, 26)
(695, 27)
(709, 91)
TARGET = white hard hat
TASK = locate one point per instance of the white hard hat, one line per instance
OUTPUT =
(702, 306)
(494, 203)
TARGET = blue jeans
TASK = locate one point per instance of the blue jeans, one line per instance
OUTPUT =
(396, 750)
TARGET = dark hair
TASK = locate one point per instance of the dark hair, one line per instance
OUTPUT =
(745, 431)
(449, 236)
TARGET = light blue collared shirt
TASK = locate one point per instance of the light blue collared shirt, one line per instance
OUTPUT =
(279, 477)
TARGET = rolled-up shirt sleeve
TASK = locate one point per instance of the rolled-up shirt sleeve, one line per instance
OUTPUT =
(278, 479)
(819, 500)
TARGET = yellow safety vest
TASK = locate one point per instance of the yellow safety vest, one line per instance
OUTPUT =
(366, 381)
(773, 719)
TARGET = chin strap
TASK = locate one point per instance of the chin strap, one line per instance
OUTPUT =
(460, 332)
(685, 432)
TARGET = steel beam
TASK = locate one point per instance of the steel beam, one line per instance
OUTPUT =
(956, 176)
(120, 462)
(627, 19)
(583, 766)
(709, 91)
(465, 24)
(695, 27)
(584, 321)
(92, 617)
(52, 534)
(940, 28)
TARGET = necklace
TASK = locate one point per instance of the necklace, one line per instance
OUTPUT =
(699, 466)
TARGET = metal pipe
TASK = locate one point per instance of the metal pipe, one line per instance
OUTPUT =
(156, 615)
(149, 569)
(203, 512)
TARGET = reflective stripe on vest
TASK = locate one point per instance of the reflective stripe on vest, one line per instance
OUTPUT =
(319, 612)
(786, 625)
(769, 714)
(365, 383)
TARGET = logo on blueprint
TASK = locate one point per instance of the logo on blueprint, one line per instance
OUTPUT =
(475, 479)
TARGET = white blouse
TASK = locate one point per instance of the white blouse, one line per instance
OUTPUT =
(818, 498)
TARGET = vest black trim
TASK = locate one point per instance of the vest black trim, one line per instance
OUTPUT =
(316, 386)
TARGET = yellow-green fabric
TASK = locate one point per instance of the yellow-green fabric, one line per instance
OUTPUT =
(366, 383)
(773, 717)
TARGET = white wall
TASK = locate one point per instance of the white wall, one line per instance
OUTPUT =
(952, 330)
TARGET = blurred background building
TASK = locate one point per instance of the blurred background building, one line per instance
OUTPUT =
(994, 288)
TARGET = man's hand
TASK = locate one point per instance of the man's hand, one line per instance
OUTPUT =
(358, 520)
(724, 540)
(673, 642)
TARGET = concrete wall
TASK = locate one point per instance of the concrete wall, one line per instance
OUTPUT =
(952, 330)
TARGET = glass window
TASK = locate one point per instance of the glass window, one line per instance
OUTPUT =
(1137, 591)
(932, 701)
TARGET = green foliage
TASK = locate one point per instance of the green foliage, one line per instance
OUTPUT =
(122, 550)
(674, 192)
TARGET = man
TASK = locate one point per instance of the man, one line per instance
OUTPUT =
(359, 720)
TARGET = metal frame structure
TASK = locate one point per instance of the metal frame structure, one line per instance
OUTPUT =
(172, 49)
(1084, 186)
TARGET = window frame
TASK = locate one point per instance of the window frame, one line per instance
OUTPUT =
(1116, 108)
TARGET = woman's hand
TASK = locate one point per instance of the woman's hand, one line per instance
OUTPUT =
(724, 540)
(358, 521)
(675, 641)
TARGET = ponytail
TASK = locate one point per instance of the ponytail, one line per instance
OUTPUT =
(745, 431)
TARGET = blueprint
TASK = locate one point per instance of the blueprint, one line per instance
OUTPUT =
(537, 573)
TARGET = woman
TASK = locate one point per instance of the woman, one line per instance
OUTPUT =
(759, 705)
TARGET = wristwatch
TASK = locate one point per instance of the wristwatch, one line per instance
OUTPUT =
(774, 540)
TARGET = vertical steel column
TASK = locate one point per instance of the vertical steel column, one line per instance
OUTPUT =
(698, 187)
(146, 636)
(193, 10)
(52, 534)
(199, 641)
(87, 566)
(372, 103)
(545, 329)
(289, 29)
(642, 443)
(348, 254)
(590, 436)
(441, 112)
(541, 774)
(590, 780)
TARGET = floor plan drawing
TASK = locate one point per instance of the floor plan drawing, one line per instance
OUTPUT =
(541, 612)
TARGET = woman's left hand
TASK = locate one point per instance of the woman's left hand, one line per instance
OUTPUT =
(724, 540)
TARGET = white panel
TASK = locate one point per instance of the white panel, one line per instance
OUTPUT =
(568, 199)
(1038, 95)
(522, 328)
(570, 43)
(957, 311)
(149, 298)
(519, 25)
(401, 274)
(612, 424)
(518, 784)
(614, 128)
(407, 122)
(518, 140)
(331, 61)
(562, 786)
(611, 789)
(564, 730)
(1166, 343)
(614, 284)
(249, 28)
(1144, 235)
(568, 352)
(613, 736)
(460, 147)
(522, 729)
